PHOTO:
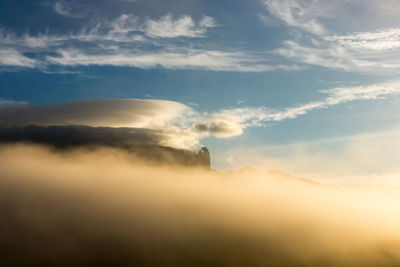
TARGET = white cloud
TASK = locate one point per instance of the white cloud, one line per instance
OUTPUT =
(167, 27)
(207, 22)
(129, 40)
(379, 40)
(124, 24)
(29, 42)
(12, 57)
(259, 116)
(61, 9)
(328, 56)
(172, 59)
(234, 121)
(126, 41)
(127, 28)
(367, 52)
(345, 94)
(370, 51)
(299, 13)
(320, 17)
(67, 9)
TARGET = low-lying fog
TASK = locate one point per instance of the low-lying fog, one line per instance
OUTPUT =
(102, 208)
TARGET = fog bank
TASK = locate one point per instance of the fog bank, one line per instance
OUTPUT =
(100, 208)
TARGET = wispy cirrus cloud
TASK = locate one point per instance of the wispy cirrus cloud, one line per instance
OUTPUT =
(260, 116)
(300, 14)
(319, 42)
(14, 58)
(62, 9)
(167, 27)
(132, 42)
(386, 39)
(366, 52)
(167, 41)
(69, 9)
(168, 58)
(125, 28)
(321, 17)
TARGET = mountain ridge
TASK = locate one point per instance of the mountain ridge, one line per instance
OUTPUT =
(142, 143)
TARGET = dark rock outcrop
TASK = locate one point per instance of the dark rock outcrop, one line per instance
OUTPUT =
(204, 157)
(143, 144)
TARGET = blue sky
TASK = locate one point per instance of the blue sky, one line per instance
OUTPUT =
(296, 84)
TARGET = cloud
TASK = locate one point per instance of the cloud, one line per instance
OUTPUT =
(68, 9)
(123, 29)
(321, 17)
(14, 58)
(167, 27)
(320, 39)
(173, 59)
(100, 112)
(225, 128)
(61, 9)
(75, 136)
(298, 13)
(131, 41)
(219, 125)
(171, 123)
(232, 122)
(126, 26)
(329, 56)
(367, 52)
(180, 124)
(167, 119)
(96, 207)
(259, 116)
(386, 39)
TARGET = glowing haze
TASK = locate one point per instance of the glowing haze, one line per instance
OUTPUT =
(184, 217)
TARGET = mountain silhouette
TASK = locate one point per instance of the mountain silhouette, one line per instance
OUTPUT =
(144, 144)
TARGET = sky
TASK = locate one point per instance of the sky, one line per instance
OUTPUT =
(309, 87)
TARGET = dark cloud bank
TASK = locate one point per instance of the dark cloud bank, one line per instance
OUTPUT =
(144, 128)
(141, 144)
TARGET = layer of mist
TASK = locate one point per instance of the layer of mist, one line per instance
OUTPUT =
(101, 208)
